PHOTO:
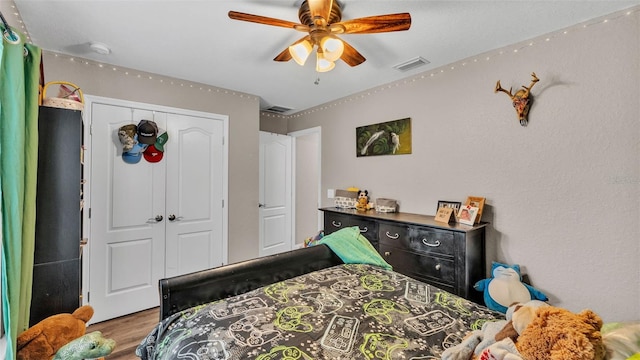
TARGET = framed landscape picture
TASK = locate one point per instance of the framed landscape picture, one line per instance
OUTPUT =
(388, 138)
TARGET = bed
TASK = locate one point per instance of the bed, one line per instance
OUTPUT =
(307, 304)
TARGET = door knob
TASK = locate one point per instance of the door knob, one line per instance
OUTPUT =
(158, 218)
(172, 217)
(261, 205)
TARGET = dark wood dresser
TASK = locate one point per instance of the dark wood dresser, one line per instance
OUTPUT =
(449, 256)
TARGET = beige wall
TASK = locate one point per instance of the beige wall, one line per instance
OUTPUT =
(273, 123)
(563, 193)
(242, 109)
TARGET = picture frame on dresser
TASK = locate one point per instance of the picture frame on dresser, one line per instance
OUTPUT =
(467, 215)
(478, 202)
(449, 204)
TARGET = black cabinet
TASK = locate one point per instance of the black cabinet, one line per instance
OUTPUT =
(449, 256)
(57, 264)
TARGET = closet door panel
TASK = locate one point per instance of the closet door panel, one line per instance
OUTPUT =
(126, 246)
(194, 157)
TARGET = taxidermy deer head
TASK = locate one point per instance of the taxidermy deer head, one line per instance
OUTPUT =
(521, 99)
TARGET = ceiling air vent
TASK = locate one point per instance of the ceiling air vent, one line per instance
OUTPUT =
(278, 109)
(411, 64)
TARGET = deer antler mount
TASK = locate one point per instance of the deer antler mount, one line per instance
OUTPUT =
(522, 99)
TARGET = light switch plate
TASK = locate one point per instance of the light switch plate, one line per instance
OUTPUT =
(331, 193)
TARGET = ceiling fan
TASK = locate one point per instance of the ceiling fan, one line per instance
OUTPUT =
(322, 20)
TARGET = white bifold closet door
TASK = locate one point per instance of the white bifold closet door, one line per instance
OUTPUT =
(153, 220)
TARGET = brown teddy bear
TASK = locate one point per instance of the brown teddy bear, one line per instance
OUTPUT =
(558, 334)
(44, 339)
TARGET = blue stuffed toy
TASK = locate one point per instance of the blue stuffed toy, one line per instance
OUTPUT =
(505, 287)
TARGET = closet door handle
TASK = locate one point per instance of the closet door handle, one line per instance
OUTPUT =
(156, 219)
(172, 217)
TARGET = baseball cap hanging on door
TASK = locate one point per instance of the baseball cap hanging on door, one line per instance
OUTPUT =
(134, 155)
(127, 134)
(147, 132)
(152, 155)
(161, 140)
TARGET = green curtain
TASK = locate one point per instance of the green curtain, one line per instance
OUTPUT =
(19, 82)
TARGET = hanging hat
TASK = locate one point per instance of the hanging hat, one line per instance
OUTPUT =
(152, 155)
(126, 135)
(147, 132)
(134, 155)
(161, 140)
(131, 158)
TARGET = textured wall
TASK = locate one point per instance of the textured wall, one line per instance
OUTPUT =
(562, 193)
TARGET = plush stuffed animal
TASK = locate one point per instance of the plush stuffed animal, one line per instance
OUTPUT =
(363, 200)
(559, 334)
(519, 316)
(89, 346)
(505, 287)
(44, 339)
(534, 330)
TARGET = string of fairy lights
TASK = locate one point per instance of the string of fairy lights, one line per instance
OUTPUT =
(513, 49)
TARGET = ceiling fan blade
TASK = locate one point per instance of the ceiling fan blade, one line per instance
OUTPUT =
(351, 56)
(374, 24)
(266, 20)
(320, 8)
(285, 55)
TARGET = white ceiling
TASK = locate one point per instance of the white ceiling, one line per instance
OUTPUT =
(196, 41)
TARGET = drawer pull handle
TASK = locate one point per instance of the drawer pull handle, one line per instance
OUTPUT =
(435, 244)
(393, 236)
(364, 230)
(336, 224)
(438, 267)
(387, 253)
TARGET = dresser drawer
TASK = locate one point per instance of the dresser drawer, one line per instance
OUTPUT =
(368, 228)
(422, 267)
(430, 241)
(393, 234)
(335, 222)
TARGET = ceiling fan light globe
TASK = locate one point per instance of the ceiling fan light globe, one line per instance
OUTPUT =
(324, 65)
(300, 52)
(332, 48)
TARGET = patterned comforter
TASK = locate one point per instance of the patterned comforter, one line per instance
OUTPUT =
(343, 312)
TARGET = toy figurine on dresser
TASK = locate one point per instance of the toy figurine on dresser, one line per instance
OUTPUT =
(363, 203)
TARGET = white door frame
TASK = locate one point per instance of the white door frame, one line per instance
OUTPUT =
(310, 131)
(86, 221)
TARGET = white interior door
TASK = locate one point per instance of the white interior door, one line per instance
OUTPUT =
(194, 195)
(275, 194)
(152, 220)
(127, 243)
(307, 192)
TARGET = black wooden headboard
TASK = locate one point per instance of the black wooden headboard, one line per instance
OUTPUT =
(182, 292)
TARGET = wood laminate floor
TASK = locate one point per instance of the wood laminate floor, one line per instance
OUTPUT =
(128, 331)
